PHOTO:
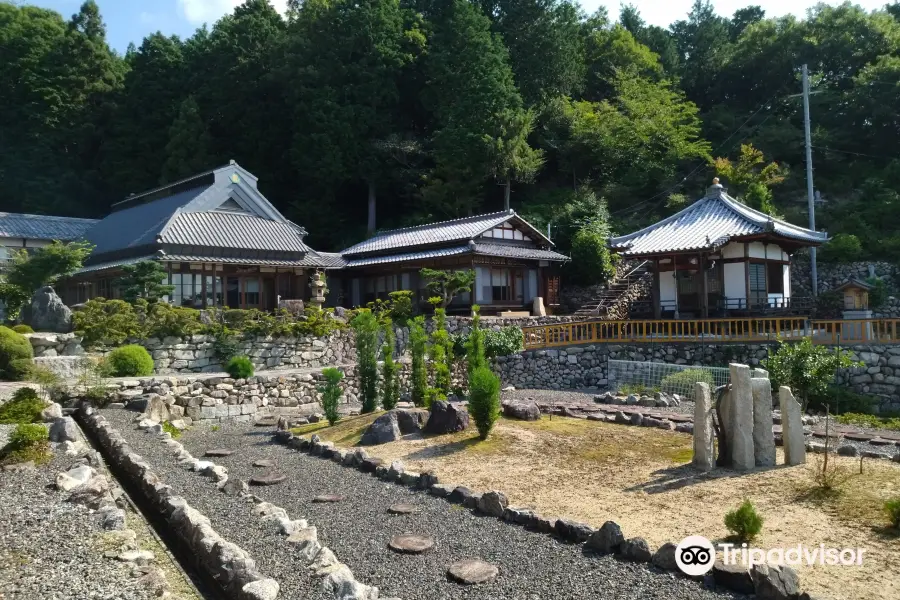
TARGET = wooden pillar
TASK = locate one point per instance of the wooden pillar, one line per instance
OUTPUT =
(215, 285)
(654, 291)
(675, 277)
(172, 293)
(747, 274)
(704, 296)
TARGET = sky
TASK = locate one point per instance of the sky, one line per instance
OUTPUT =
(131, 20)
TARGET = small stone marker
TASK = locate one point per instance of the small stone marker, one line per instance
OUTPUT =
(792, 426)
(471, 571)
(410, 543)
(328, 498)
(704, 436)
(267, 479)
(265, 463)
(219, 452)
(403, 509)
(741, 430)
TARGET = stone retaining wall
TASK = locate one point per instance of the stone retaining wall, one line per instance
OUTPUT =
(575, 367)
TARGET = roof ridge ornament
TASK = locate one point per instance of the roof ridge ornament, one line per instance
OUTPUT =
(715, 190)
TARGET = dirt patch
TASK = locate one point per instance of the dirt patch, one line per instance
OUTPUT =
(641, 478)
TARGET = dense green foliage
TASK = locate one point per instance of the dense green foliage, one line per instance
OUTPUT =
(398, 308)
(418, 347)
(239, 367)
(682, 382)
(390, 383)
(844, 247)
(892, 510)
(440, 109)
(103, 321)
(867, 420)
(331, 394)
(503, 342)
(484, 399)
(24, 407)
(841, 400)
(130, 361)
(475, 354)
(806, 368)
(365, 326)
(744, 523)
(31, 270)
(446, 285)
(22, 328)
(144, 280)
(15, 355)
(27, 442)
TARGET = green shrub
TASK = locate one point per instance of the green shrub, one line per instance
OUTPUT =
(872, 421)
(508, 340)
(892, 509)
(841, 400)
(239, 367)
(331, 394)
(418, 346)
(390, 386)
(878, 295)
(27, 434)
(103, 321)
(366, 327)
(591, 263)
(171, 429)
(683, 382)
(130, 361)
(24, 407)
(15, 355)
(744, 523)
(843, 247)
(484, 400)
(165, 320)
(22, 328)
(806, 368)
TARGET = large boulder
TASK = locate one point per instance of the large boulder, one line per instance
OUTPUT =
(63, 430)
(384, 429)
(447, 417)
(47, 312)
(524, 410)
(411, 420)
(157, 409)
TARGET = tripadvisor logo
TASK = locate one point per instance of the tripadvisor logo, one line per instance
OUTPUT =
(695, 555)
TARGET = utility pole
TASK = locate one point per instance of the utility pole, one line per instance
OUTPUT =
(810, 195)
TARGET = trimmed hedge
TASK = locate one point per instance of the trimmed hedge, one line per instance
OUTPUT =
(239, 367)
(130, 361)
(22, 328)
(16, 355)
(24, 407)
(484, 400)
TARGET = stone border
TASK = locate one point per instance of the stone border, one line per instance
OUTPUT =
(225, 562)
(321, 561)
(609, 539)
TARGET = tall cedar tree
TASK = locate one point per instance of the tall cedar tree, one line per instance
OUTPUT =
(365, 325)
(187, 152)
(418, 342)
(390, 393)
(441, 358)
(475, 345)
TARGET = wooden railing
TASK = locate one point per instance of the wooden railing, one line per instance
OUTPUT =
(750, 329)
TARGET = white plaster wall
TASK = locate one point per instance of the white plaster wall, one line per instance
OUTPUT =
(786, 273)
(774, 252)
(735, 280)
(757, 250)
(667, 289)
(733, 250)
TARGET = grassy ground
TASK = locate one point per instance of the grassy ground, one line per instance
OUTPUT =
(642, 478)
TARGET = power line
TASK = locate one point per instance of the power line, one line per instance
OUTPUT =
(853, 153)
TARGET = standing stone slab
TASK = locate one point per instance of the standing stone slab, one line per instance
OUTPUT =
(763, 438)
(741, 432)
(792, 428)
(704, 437)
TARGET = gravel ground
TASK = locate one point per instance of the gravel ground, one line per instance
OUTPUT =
(53, 550)
(532, 566)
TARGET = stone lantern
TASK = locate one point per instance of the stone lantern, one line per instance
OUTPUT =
(318, 290)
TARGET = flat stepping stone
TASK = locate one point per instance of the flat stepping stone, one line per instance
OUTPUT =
(403, 509)
(327, 498)
(267, 479)
(859, 437)
(266, 422)
(265, 463)
(219, 452)
(410, 543)
(881, 442)
(472, 571)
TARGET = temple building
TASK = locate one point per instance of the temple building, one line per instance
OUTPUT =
(718, 257)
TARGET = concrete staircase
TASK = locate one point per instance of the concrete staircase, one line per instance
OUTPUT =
(613, 301)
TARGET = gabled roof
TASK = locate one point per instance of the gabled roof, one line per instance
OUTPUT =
(854, 282)
(42, 227)
(710, 223)
(444, 232)
(221, 208)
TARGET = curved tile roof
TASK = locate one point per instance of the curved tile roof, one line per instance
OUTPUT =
(708, 223)
(42, 227)
(232, 230)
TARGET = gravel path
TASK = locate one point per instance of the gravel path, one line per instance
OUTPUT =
(53, 550)
(532, 566)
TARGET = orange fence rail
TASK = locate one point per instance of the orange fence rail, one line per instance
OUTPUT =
(763, 329)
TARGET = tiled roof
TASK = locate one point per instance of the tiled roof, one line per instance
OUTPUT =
(457, 230)
(708, 223)
(330, 260)
(514, 251)
(394, 258)
(232, 230)
(41, 227)
(306, 261)
(113, 264)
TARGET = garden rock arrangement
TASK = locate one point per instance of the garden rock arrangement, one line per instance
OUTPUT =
(393, 424)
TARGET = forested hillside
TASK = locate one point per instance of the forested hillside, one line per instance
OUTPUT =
(434, 109)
